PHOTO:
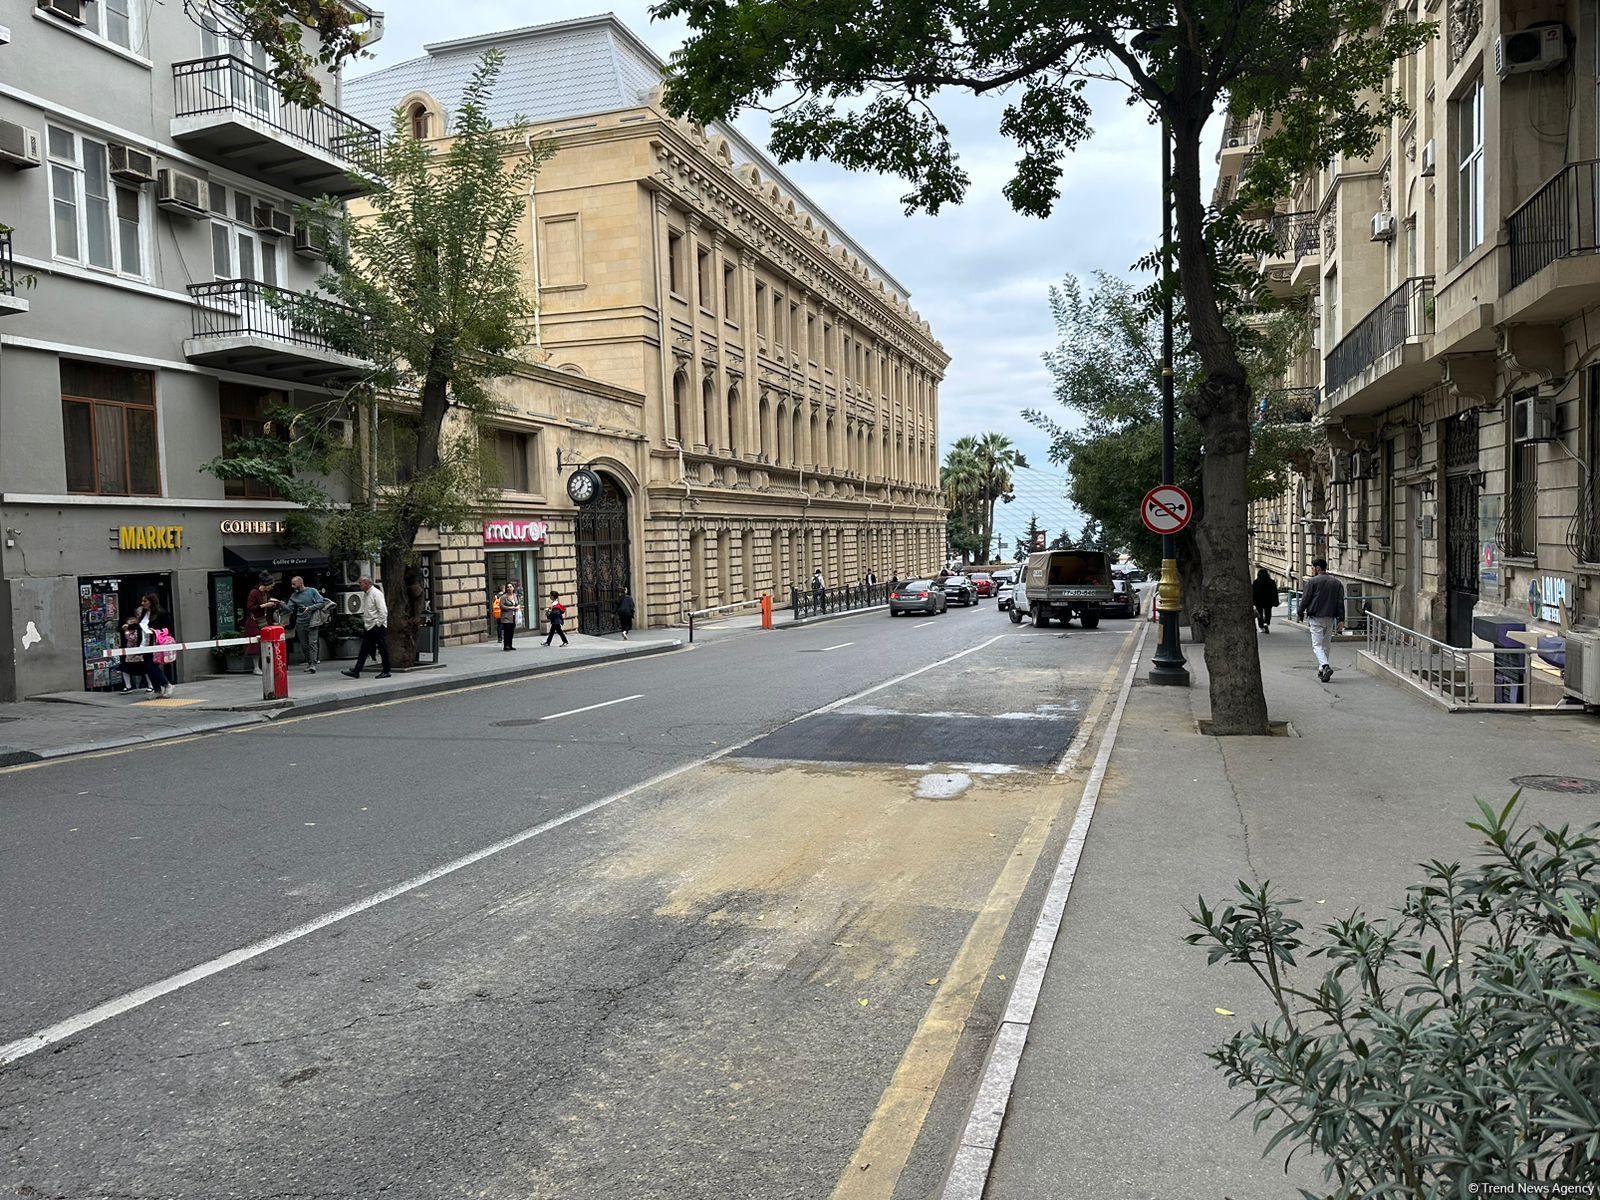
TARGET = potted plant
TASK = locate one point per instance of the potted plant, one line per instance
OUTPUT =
(229, 660)
(344, 636)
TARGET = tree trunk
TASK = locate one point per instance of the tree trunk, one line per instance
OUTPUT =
(402, 591)
(1192, 574)
(1221, 406)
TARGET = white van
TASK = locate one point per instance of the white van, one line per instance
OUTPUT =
(1062, 584)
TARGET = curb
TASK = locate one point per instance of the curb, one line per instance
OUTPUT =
(826, 617)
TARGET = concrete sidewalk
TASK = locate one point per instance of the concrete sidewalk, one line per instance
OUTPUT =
(68, 723)
(1114, 1098)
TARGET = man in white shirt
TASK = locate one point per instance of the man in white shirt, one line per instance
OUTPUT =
(375, 624)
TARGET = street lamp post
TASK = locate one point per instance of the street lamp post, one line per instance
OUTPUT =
(1168, 667)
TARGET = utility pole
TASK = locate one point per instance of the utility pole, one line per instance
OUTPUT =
(1169, 667)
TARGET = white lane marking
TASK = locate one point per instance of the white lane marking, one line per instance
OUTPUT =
(10, 1052)
(969, 1172)
(924, 624)
(840, 646)
(592, 707)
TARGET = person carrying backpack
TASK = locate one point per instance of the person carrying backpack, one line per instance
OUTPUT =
(309, 610)
(556, 614)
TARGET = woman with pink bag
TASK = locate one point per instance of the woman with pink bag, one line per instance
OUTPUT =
(152, 622)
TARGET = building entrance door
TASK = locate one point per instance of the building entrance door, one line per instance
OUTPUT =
(603, 557)
(1460, 527)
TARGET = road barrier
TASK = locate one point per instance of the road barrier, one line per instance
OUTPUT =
(763, 603)
(817, 602)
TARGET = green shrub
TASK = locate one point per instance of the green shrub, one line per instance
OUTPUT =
(1456, 1043)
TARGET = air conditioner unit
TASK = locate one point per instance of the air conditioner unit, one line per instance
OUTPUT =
(1539, 47)
(1343, 470)
(1534, 419)
(273, 222)
(67, 10)
(311, 239)
(1427, 159)
(19, 145)
(181, 193)
(1383, 227)
(352, 569)
(1580, 674)
(350, 603)
(1234, 143)
(130, 165)
(1363, 465)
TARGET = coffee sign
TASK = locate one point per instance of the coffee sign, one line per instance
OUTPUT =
(272, 527)
(509, 531)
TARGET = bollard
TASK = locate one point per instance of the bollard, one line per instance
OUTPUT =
(766, 610)
(274, 663)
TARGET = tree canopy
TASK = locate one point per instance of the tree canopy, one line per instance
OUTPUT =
(977, 474)
(297, 36)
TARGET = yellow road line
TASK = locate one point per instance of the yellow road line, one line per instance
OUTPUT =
(886, 1143)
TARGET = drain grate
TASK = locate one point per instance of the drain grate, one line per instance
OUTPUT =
(1570, 785)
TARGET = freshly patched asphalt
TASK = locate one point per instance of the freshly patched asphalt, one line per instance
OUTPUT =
(701, 989)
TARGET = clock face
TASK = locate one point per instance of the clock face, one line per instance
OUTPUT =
(582, 486)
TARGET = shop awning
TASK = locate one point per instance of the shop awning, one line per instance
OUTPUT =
(275, 558)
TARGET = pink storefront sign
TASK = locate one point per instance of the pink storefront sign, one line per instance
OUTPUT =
(509, 531)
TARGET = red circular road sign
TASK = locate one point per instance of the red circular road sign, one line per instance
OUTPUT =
(1166, 509)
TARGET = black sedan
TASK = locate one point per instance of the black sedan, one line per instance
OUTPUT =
(961, 590)
(917, 596)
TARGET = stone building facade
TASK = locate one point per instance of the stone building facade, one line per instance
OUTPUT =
(1451, 279)
(788, 412)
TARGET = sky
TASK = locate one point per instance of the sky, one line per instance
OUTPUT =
(979, 273)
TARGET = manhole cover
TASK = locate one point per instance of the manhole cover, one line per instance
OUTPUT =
(515, 724)
(1571, 785)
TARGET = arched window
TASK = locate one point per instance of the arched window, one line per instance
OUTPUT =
(708, 404)
(421, 121)
(680, 389)
(763, 415)
(782, 430)
(794, 441)
(733, 420)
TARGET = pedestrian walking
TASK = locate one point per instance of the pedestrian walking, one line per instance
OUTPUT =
(375, 629)
(894, 582)
(817, 585)
(1322, 605)
(556, 614)
(1264, 595)
(506, 607)
(309, 611)
(259, 607)
(154, 628)
(625, 609)
(872, 578)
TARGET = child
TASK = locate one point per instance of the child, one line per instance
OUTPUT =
(557, 616)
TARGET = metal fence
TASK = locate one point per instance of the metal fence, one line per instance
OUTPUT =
(1288, 406)
(224, 83)
(1465, 677)
(246, 308)
(814, 602)
(1557, 221)
(8, 266)
(1291, 232)
(1405, 313)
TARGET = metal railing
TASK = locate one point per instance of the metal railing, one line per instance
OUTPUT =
(1557, 221)
(1288, 406)
(1405, 313)
(1463, 677)
(224, 83)
(8, 265)
(814, 602)
(246, 308)
(1583, 529)
(1290, 231)
(1240, 131)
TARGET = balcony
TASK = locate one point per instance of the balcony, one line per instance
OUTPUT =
(1287, 406)
(231, 112)
(258, 329)
(10, 302)
(1553, 242)
(1386, 358)
(1291, 234)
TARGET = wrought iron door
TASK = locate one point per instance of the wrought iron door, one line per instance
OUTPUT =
(603, 558)
(1460, 528)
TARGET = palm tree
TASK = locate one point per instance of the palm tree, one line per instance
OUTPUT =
(961, 479)
(995, 458)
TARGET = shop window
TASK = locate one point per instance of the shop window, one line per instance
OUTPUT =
(514, 453)
(397, 448)
(675, 264)
(244, 415)
(108, 417)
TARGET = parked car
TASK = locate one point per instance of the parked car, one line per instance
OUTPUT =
(958, 589)
(1124, 600)
(1003, 597)
(918, 596)
(983, 581)
(1062, 584)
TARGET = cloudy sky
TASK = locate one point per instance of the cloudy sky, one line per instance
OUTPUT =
(979, 273)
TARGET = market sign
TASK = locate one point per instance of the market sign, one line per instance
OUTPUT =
(507, 531)
(149, 537)
(255, 527)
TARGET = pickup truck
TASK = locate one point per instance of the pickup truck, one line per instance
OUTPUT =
(1062, 584)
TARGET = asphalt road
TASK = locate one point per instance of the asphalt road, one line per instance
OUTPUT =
(738, 926)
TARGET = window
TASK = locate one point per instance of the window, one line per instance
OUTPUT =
(675, 262)
(1469, 169)
(680, 389)
(730, 292)
(1522, 500)
(1330, 310)
(421, 122)
(244, 415)
(237, 250)
(108, 417)
(397, 447)
(811, 337)
(243, 83)
(794, 329)
(702, 263)
(761, 309)
(827, 346)
(96, 221)
(111, 21)
(777, 319)
(514, 453)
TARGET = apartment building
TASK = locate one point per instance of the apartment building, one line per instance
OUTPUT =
(150, 177)
(1450, 280)
(787, 411)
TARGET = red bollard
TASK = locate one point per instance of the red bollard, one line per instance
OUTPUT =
(274, 663)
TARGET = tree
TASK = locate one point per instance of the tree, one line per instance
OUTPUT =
(1062, 540)
(1028, 543)
(428, 287)
(994, 458)
(856, 81)
(279, 28)
(1107, 370)
(960, 480)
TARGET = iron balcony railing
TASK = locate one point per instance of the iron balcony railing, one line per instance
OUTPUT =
(1405, 313)
(1290, 232)
(246, 308)
(1288, 406)
(1462, 677)
(8, 265)
(224, 83)
(1557, 221)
